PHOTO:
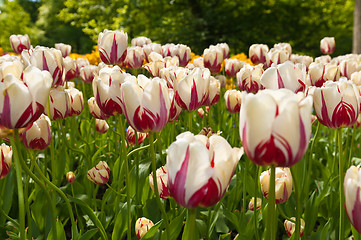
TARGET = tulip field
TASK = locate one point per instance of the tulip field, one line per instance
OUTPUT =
(139, 140)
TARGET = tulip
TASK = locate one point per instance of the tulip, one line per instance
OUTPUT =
(162, 182)
(251, 204)
(258, 52)
(233, 100)
(146, 104)
(356, 78)
(88, 72)
(99, 174)
(140, 41)
(22, 102)
(151, 47)
(193, 89)
(131, 136)
(6, 155)
(276, 56)
(183, 53)
(175, 109)
(337, 104)
(263, 117)
(47, 59)
(307, 60)
(327, 45)
(70, 177)
(200, 169)
(76, 101)
(19, 43)
(323, 59)
(157, 62)
(285, 75)
(222, 80)
(69, 69)
(225, 49)
(173, 74)
(101, 126)
(232, 66)
(352, 186)
(95, 110)
(135, 57)
(319, 73)
(112, 46)
(106, 89)
(65, 49)
(199, 62)
(79, 63)
(290, 226)
(167, 49)
(349, 66)
(249, 78)
(284, 46)
(59, 103)
(14, 67)
(214, 92)
(213, 58)
(283, 184)
(142, 226)
(38, 134)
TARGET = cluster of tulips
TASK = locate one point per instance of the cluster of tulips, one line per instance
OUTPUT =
(277, 96)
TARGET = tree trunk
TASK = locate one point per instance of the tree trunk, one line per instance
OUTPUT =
(356, 44)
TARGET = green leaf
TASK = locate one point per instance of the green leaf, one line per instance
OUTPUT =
(60, 233)
(89, 234)
(151, 232)
(121, 222)
(176, 225)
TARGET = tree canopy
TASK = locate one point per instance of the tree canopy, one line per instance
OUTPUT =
(196, 23)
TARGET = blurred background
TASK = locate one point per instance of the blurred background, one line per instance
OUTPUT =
(196, 23)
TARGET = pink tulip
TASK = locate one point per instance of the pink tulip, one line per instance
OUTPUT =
(142, 226)
(249, 78)
(76, 101)
(95, 111)
(327, 45)
(135, 57)
(101, 126)
(232, 66)
(69, 69)
(99, 174)
(88, 72)
(258, 53)
(319, 73)
(59, 104)
(162, 182)
(213, 58)
(131, 136)
(233, 100)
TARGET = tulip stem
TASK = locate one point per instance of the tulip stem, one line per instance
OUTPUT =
(298, 207)
(190, 120)
(190, 231)
(125, 159)
(155, 183)
(341, 177)
(19, 182)
(351, 145)
(271, 221)
(56, 189)
(255, 203)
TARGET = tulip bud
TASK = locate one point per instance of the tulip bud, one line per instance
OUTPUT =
(15, 68)
(225, 49)
(65, 49)
(291, 226)
(142, 226)
(276, 56)
(167, 49)
(162, 182)
(319, 73)
(19, 43)
(112, 46)
(79, 63)
(183, 53)
(101, 125)
(131, 136)
(6, 155)
(200, 112)
(251, 204)
(283, 184)
(70, 177)
(352, 186)
(222, 80)
(232, 66)
(285, 47)
(175, 109)
(214, 92)
(38, 135)
(327, 45)
(307, 60)
(95, 110)
(99, 174)
(140, 41)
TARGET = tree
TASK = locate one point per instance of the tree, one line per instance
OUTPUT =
(356, 42)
